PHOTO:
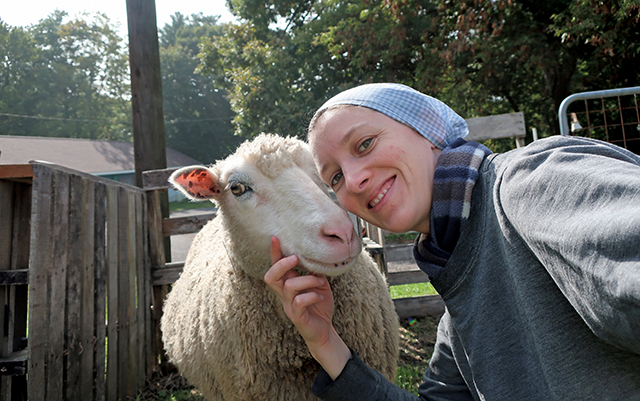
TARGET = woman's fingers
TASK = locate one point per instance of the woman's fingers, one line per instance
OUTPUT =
(276, 252)
(281, 269)
(302, 301)
(303, 284)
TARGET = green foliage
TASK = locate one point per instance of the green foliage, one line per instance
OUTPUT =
(272, 78)
(481, 57)
(197, 113)
(64, 79)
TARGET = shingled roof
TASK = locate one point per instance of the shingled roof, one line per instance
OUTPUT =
(89, 156)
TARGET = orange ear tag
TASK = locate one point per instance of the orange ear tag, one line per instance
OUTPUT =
(199, 184)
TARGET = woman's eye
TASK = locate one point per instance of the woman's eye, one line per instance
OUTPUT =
(237, 188)
(336, 179)
(364, 145)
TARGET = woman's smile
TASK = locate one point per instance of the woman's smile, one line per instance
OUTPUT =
(381, 195)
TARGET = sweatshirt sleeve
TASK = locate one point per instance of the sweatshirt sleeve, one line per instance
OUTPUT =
(442, 381)
(577, 207)
(358, 382)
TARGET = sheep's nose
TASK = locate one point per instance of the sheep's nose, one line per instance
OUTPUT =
(338, 232)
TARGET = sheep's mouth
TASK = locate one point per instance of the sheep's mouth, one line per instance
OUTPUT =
(328, 269)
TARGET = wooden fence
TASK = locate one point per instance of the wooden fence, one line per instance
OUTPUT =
(77, 242)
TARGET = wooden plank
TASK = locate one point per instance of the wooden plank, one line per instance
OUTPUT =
(95, 178)
(57, 290)
(74, 286)
(87, 291)
(14, 277)
(167, 274)
(428, 305)
(112, 293)
(100, 290)
(156, 238)
(156, 179)
(150, 339)
(6, 234)
(150, 150)
(123, 296)
(19, 298)
(497, 126)
(407, 277)
(132, 366)
(372, 247)
(18, 172)
(39, 261)
(186, 225)
(14, 364)
(157, 258)
(142, 282)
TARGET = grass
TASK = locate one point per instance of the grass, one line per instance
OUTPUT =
(417, 338)
(412, 290)
(187, 204)
(402, 238)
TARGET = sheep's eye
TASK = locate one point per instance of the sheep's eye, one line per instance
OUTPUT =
(237, 188)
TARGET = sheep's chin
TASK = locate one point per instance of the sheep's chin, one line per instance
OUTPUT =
(328, 269)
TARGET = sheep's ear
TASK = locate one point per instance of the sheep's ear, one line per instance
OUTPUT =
(196, 182)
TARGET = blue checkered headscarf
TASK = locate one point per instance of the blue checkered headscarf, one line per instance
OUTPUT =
(430, 117)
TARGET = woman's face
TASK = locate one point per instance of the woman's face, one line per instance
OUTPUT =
(381, 170)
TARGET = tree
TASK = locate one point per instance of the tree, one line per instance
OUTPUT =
(197, 114)
(64, 79)
(481, 57)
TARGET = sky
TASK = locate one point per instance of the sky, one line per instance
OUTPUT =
(28, 12)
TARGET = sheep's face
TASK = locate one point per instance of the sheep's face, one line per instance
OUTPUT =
(264, 191)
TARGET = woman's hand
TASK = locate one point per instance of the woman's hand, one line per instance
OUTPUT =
(308, 302)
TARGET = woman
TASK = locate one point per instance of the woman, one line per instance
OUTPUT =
(535, 253)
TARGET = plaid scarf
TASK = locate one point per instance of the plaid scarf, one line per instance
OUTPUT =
(455, 175)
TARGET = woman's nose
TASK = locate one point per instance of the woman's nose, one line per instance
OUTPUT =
(356, 179)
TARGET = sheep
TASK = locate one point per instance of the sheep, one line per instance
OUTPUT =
(222, 326)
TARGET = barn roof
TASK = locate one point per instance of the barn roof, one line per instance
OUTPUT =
(89, 156)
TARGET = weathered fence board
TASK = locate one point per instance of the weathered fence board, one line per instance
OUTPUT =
(112, 292)
(419, 306)
(78, 241)
(15, 199)
(497, 126)
(100, 289)
(38, 299)
(186, 225)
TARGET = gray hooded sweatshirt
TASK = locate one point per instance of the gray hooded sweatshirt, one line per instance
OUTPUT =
(542, 290)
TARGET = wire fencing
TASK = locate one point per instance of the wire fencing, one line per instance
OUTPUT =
(610, 115)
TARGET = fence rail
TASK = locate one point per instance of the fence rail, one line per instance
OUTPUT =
(611, 115)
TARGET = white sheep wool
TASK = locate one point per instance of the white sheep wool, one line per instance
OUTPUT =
(222, 326)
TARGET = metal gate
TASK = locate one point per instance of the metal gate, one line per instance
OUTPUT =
(610, 115)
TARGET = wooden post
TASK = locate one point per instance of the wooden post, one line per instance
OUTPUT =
(149, 144)
(146, 88)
